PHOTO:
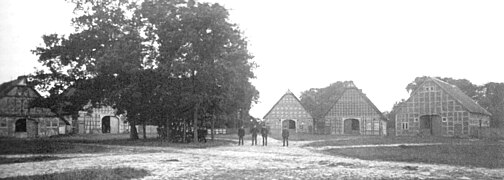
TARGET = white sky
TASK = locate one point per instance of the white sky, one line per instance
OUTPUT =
(380, 45)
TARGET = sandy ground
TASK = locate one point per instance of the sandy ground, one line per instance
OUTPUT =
(247, 162)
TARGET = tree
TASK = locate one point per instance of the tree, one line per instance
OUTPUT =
(157, 61)
(198, 43)
(493, 101)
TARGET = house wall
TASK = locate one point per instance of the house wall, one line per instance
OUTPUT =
(303, 125)
(430, 99)
(35, 127)
(91, 122)
(289, 108)
(352, 105)
(14, 106)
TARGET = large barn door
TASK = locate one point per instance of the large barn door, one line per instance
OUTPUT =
(290, 125)
(430, 125)
(351, 126)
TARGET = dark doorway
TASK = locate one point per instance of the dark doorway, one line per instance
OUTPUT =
(430, 125)
(20, 125)
(351, 126)
(289, 124)
(106, 124)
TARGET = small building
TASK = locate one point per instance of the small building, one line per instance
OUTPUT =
(101, 120)
(18, 120)
(440, 109)
(97, 120)
(353, 113)
(289, 113)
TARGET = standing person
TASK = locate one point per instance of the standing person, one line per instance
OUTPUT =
(264, 133)
(285, 136)
(241, 133)
(254, 135)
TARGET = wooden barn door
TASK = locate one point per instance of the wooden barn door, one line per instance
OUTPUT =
(347, 126)
(436, 125)
(430, 125)
(351, 126)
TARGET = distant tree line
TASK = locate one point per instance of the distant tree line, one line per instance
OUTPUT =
(176, 64)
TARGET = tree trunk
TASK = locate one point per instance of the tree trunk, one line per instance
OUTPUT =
(184, 132)
(195, 123)
(133, 130)
(213, 126)
(143, 129)
(167, 129)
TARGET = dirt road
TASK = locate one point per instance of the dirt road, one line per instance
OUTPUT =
(248, 162)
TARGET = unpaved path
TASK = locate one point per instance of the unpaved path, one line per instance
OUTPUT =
(248, 162)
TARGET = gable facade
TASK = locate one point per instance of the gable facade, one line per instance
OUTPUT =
(18, 120)
(289, 113)
(354, 113)
(101, 120)
(440, 109)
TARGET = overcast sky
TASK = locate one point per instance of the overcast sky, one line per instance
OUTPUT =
(380, 45)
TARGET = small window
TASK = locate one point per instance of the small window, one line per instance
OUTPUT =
(444, 119)
(415, 120)
(432, 88)
(405, 126)
(48, 123)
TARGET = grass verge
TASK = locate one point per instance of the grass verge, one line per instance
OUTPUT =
(98, 174)
(44, 146)
(489, 155)
(86, 144)
(375, 140)
(4, 160)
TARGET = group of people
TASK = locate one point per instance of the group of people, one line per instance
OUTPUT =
(264, 134)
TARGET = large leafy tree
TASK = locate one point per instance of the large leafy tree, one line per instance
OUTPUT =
(493, 100)
(158, 61)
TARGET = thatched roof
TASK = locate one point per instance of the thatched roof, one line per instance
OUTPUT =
(457, 94)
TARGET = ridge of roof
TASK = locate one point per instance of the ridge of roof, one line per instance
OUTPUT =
(362, 95)
(7, 86)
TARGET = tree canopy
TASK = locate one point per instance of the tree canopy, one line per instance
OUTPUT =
(164, 62)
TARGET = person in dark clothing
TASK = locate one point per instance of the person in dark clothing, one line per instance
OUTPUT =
(285, 136)
(264, 133)
(254, 132)
(202, 133)
(241, 133)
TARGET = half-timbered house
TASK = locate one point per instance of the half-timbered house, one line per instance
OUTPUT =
(353, 113)
(17, 119)
(440, 109)
(289, 113)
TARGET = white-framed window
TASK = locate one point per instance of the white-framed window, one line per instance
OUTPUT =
(415, 120)
(405, 126)
(444, 119)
